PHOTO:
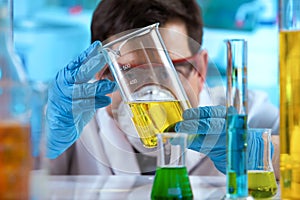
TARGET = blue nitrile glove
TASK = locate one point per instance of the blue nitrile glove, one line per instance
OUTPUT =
(72, 101)
(209, 125)
(255, 149)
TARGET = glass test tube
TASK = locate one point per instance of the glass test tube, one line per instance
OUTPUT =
(237, 110)
(289, 69)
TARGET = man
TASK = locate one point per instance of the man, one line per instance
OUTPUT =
(87, 140)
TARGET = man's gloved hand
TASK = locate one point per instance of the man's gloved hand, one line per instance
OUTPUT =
(72, 100)
(207, 126)
(257, 149)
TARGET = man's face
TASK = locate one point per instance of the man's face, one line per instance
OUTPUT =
(191, 74)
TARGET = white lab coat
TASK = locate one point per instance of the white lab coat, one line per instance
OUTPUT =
(104, 149)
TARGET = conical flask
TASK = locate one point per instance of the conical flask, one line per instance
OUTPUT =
(171, 179)
(261, 177)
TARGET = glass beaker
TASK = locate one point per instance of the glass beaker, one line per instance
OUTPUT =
(23, 162)
(171, 179)
(289, 64)
(147, 80)
(261, 177)
(15, 156)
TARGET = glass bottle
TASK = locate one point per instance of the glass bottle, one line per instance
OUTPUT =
(237, 111)
(289, 64)
(15, 155)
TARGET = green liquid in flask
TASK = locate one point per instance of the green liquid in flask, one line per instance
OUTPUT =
(262, 184)
(171, 183)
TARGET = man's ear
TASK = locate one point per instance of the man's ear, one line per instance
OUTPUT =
(203, 64)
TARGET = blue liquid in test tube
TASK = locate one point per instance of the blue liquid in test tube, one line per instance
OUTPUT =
(237, 179)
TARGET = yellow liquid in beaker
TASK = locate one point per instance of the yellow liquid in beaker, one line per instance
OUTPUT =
(261, 184)
(289, 50)
(152, 117)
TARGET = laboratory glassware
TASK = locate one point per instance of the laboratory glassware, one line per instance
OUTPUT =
(237, 113)
(289, 70)
(148, 82)
(21, 144)
(171, 179)
(261, 178)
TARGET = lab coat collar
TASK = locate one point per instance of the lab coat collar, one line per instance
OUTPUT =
(120, 153)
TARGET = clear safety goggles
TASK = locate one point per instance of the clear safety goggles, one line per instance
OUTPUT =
(183, 66)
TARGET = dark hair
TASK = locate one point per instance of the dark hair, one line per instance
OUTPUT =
(115, 16)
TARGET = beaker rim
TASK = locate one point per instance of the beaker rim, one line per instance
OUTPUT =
(127, 35)
(236, 40)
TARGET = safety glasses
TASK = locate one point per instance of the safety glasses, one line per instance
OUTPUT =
(183, 66)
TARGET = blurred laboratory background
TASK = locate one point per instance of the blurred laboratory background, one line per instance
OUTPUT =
(50, 33)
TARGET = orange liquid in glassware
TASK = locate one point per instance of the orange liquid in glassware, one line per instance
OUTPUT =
(15, 160)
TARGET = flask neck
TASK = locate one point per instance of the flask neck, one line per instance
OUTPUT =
(6, 31)
(11, 68)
